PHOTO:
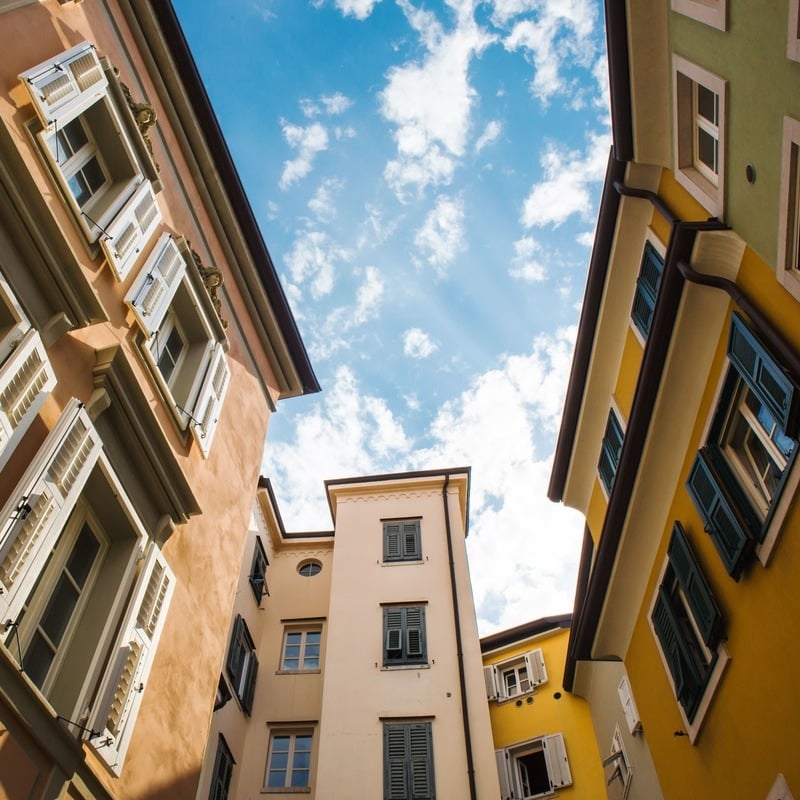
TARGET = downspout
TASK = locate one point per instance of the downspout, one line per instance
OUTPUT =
(459, 652)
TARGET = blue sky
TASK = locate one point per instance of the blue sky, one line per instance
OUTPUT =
(426, 175)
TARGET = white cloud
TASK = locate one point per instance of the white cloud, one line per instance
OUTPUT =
(368, 297)
(308, 141)
(360, 9)
(336, 103)
(441, 237)
(565, 189)
(261, 8)
(430, 102)
(417, 344)
(375, 230)
(490, 133)
(312, 261)
(322, 204)
(346, 132)
(526, 265)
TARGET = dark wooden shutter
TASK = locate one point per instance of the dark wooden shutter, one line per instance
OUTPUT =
(703, 605)
(421, 761)
(393, 633)
(644, 301)
(610, 450)
(763, 374)
(411, 540)
(415, 633)
(250, 687)
(391, 541)
(394, 762)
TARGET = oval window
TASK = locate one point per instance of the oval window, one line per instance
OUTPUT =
(309, 568)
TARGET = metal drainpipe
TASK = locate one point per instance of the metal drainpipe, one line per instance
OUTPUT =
(461, 678)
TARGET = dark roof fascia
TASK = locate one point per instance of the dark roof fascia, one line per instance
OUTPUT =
(266, 483)
(619, 79)
(195, 89)
(581, 587)
(647, 386)
(587, 325)
(525, 631)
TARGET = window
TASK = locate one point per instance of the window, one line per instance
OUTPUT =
(242, 664)
(737, 477)
(688, 625)
(644, 300)
(711, 12)
(289, 760)
(310, 568)
(793, 41)
(258, 571)
(401, 540)
(789, 223)
(408, 761)
(85, 591)
(301, 650)
(83, 138)
(404, 635)
(534, 768)
(516, 676)
(699, 118)
(610, 450)
(223, 770)
(184, 342)
(618, 769)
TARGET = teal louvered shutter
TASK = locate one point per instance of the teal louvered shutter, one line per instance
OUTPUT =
(704, 607)
(415, 633)
(720, 518)
(610, 450)
(394, 762)
(391, 541)
(421, 761)
(763, 374)
(411, 540)
(644, 300)
(393, 633)
(250, 685)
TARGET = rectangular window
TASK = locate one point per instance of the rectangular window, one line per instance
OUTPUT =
(401, 540)
(647, 284)
(404, 635)
(289, 760)
(534, 768)
(258, 571)
(737, 477)
(687, 623)
(610, 450)
(789, 220)
(223, 770)
(617, 766)
(242, 664)
(515, 676)
(699, 120)
(301, 650)
(710, 12)
(408, 761)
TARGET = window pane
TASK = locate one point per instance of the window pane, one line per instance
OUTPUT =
(80, 561)
(59, 610)
(38, 658)
(707, 149)
(707, 104)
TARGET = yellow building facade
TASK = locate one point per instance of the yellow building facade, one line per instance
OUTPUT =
(680, 431)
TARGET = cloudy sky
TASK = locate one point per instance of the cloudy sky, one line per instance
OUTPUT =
(426, 175)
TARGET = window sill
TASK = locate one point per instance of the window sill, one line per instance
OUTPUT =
(393, 667)
(298, 671)
(287, 790)
(708, 195)
(403, 562)
(529, 694)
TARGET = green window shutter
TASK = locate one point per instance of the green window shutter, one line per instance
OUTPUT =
(250, 687)
(763, 374)
(233, 662)
(421, 761)
(704, 608)
(393, 633)
(644, 300)
(720, 516)
(394, 762)
(391, 541)
(411, 540)
(415, 633)
(610, 450)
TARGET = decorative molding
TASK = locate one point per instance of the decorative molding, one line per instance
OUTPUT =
(371, 496)
(212, 280)
(143, 114)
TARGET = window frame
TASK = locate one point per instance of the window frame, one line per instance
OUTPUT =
(290, 768)
(303, 645)
(788, 264)
(793, 37)
(554, 757)
(402, 540)
(241, 664)
(707, 187)
(531, 662)
(709, 12)
(258, 572)
(221, 781)
(408, 760)
(405, 638)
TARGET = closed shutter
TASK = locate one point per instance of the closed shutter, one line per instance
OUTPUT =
(209, 401)
(121, 692)
(391, 541)
(411, 540)
(720, 516)
(490, 679)
(393, 632)
(555, 756)
(421, 761)
(151, 293)
(26, 378)
(64, 86)
(37, 509)
(763, 374)
(610, 450)
(534, 664)
(394, 762)
(415, 632)
(628, 705)
(644, 300)
(128, 233)
(704, 608)
(504, 774)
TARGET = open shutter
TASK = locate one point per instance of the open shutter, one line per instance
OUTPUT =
(14, 323)
(64, 86)
(394, 762)
(490, 679)
(704, 608)
(421, 761)
(763, 374)
(250, 683)
(155, 286)
(415, 632)
(628, 705)
(37, 509)
(644, 300)
(391, 541)
(209, 401)
(719, 514)
(26, 378)
(128, 233)
(393, 631)
(411, 543)
(120, 696)
(555, 756)
(534, 664)
(610, 450)
(504, 774)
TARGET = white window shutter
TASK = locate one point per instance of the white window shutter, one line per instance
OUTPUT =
(504, 774)
(628, 705)
(26, 378)
(209, 401)
(37, 510)
(114, 713)
(128, 233)
(64, 86)
(154, 287)
(555, 756)
(534, 664)
(12, 334)
(490, 679)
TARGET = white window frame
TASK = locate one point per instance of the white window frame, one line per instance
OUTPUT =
(709, 12)
(303, 630)
(793, 38)
(554, 754)
(789, 212)
(622, 770)
(292, 734)
(706, 187)
(528, 667)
